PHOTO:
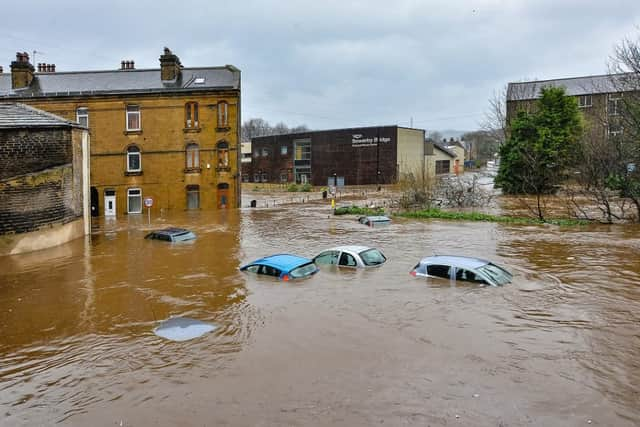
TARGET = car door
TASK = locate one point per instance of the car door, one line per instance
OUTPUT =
(327, 258)
(347, 260)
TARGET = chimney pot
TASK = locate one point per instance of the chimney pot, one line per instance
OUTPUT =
(1, 69)
(133, 64)
(53, 68)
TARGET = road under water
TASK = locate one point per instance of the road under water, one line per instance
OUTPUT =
(558, 347)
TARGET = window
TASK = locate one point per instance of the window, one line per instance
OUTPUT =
(265, 177)
(443, 166)
(347, 260)
(614, 104)
(82, 116)
(439, 271)
(256, 177)
(133, 117)
(193, 156)
(193, 196)
(303, 149)
(223, 114)
(134, 200)
(223, 154)
(191, 115)
(615, 129)
(284, 177)
(134, 161)
(585, 101)
(283, 150)
(328, 257)
(265, 152)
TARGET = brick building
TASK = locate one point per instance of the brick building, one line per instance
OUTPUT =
(170, 133)
(354, 156)
(44, 179)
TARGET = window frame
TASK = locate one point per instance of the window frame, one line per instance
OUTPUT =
(130, 154)
(222, 151)
(192, 156)
(191, 115)
(84, 114)
(582, 101)
(129, 195)
(439, 167)
(613, 100)
(133, 110)
(191, 190)
(223, 114)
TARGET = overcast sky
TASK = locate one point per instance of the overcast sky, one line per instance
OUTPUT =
(331, 64)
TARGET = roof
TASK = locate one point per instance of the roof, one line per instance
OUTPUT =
(284, 262)
(171, 231)
(76, 83)
(574, 86)
(16, 115)
(444, 149)
(351, 248)
(352, 129)
(456, 261)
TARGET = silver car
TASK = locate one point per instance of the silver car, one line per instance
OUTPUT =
(462, 268)
(351, 256)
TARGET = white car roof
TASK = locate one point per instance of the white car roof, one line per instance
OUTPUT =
(455, 261)
(350, 248)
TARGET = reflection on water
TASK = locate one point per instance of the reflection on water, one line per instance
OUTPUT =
(560, 345)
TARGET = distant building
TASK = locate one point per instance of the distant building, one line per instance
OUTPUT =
(44, 179)
(599, 98)
(171, 133)
(354, 156)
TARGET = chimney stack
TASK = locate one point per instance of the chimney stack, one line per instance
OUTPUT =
(21, 71)
(127, 65)
(169, 66)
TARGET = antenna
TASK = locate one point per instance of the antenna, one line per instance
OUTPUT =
(34, 55)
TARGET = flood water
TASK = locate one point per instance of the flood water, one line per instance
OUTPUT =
(558, 347)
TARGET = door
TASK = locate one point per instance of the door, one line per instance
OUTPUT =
(95, 204)
(223, 195)
(109, 202)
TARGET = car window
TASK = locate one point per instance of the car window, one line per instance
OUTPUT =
(303, 270)
(468, 276)
(253, 268)
(327, 257)
(347, 260)
(420, 268)
(437, 270)
(372, 257)
(499, 275)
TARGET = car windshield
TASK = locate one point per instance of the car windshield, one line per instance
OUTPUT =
(498, 275)
(304, 270)
(372, 257)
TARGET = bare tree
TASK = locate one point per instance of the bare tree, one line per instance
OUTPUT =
(259, 127)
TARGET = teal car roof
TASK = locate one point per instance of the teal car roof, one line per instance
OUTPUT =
(283, 262)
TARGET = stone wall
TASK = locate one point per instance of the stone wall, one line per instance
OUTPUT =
(23, 151)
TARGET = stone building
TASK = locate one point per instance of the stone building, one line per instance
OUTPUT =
(169, 133)
(599, 97)
(44, 179)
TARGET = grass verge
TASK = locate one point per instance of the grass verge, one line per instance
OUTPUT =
(476, 216)
(356, 210)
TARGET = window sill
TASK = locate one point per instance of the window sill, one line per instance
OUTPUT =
(223, 169)
(223, 129)
(133, 132)
(128, 173)
(192, 170)
(192, 130)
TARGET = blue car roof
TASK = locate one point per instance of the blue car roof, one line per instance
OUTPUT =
(283, 262)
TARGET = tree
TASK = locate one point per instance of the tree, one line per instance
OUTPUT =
(259, 127)
(624, 67)
(541, 146)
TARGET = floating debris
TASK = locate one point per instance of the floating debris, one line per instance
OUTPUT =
(182, 329)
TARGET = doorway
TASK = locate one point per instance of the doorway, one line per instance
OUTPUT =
(95, 202)
(223, 195)
(109, 202)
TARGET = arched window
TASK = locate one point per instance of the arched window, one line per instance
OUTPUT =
(223, 114)
(193, 156)
(223, 154)
(134, 160)
(191, 115)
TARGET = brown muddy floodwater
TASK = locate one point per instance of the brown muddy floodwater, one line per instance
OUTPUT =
(558, 347)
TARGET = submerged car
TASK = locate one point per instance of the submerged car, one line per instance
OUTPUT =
(375, 220)
(171, 235)
(283, 266)
(462, 268)
(351, 256)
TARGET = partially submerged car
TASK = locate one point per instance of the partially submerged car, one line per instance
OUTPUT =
(283, 266)
(351, 256)
(171, 234)
(462, 268)
(375, 220)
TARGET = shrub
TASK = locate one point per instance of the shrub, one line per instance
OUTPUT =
(306, 188)
(292, 188)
